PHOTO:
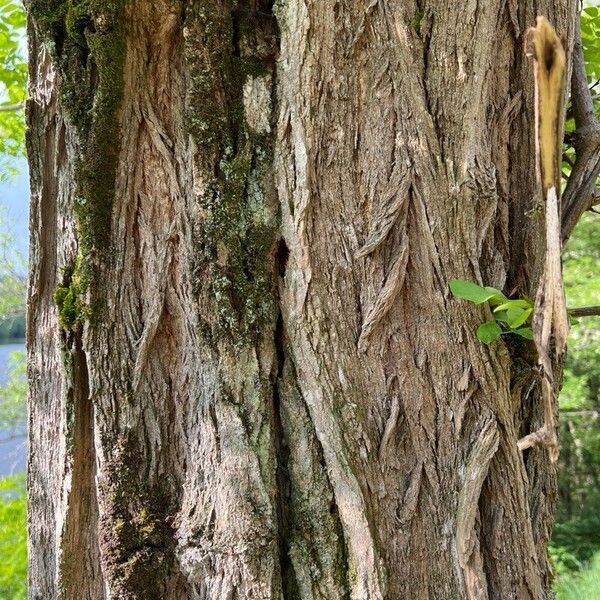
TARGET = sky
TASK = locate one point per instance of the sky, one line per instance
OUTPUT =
(14, 197)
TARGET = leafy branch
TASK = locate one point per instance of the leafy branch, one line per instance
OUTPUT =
(509, 316)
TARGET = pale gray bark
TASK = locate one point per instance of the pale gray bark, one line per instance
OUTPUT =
(266, 391)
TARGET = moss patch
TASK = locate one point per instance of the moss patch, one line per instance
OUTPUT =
(136, 532)
(68, 297)
(87, 42)
(239, 220)
(415, 22)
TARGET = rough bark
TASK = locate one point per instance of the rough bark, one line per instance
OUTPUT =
(247, 377)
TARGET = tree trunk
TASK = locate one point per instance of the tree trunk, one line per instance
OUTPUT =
(248, 379)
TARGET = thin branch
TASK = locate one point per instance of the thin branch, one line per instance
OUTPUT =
(12, 107)
(584, 311)
(586, 141)
(567, 159)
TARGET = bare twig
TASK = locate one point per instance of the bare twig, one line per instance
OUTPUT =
(594, 198)
(579, 413)
(11, 107)
(584, 311)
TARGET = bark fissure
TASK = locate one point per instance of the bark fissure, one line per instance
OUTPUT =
(79, 558)
(467, 536)
(288, 580)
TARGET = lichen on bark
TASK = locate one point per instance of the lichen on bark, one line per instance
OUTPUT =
(136, 527)
(226, 46)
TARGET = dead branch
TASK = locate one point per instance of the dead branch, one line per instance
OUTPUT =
(584, 311)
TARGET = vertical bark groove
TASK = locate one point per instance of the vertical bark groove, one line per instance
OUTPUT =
(289, 586)
(79, 559)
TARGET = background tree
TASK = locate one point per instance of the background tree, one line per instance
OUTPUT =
(248, 378)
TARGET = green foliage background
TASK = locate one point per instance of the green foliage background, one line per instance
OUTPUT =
(13, 78)
(13, 542)
(575, 550)
(576, 541)
(13, 519)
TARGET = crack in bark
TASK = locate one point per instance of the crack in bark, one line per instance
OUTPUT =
(81, 513)
(289, 586)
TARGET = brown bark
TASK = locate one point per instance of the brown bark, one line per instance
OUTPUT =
(247, 377)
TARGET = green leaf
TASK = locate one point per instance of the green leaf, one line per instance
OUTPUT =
(488, 332)
(501, 316)
(591, 10)
(497, 298)
(524, 332)
(518, 303)
(467, 290)
(587, 29)
(518, 316)
(513, 314)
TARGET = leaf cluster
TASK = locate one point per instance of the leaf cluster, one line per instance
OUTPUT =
(13, 84)
(509, 316)
(590, 39)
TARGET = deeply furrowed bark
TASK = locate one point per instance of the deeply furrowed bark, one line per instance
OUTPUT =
(247, 377)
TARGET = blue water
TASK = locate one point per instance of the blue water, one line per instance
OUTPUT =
(13, 444)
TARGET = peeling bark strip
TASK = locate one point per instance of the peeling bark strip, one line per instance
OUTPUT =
(247, 381)
(550, 313)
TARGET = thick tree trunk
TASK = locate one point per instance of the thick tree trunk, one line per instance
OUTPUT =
(247, 377)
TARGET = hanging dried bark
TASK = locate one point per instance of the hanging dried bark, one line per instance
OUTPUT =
(550, 314)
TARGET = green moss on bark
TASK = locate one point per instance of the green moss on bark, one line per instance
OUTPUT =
(72, 310)
(136, 531)
(415, 22)
(226, 46)
(87, 42)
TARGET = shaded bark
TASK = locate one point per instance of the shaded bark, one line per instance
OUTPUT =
(247, 377)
